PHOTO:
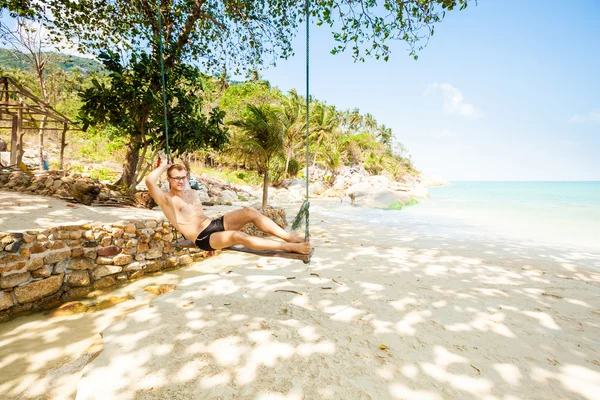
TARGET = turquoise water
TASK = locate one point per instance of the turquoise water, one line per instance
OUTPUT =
(556, 214)
(565, 213)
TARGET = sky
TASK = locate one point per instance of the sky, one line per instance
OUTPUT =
(505, 90)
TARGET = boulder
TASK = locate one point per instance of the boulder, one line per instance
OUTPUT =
(203, 194)
(84, 192)
(378, 197)
(316, 188)
(145, 200)
(228, 196)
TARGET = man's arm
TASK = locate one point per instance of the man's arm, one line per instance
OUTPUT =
(157, 194)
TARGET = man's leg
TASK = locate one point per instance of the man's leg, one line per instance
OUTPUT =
(235, 220)
(220, 240)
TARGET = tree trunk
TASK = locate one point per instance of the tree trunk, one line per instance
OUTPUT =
(265, 189)
(287, 163)
(317, 151)
(63, 145)
(132, 158)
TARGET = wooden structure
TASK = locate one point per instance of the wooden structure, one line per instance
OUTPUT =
(24, 111)
(184, 243)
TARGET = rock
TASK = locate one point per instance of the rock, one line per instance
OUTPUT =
(134, 266)
(333, 193)
(419, 192)
(78, 278)
(341, 183)
(13, 280)
(13, 247)
(122, 259)
(378, 197)
(154, 253)
(145, 200)
(433, 181)
(104, 270)
(57, 256)
(154, 266)
(42, 272)
(77, 292)
(316, 188)
(60, 267)
(109, 251)
(84, 192)
(379, 180)
(39, 289)
(228, 196)
(6, 300)
(35, 263)
(203, 194)
(81, 263)
(105, 282)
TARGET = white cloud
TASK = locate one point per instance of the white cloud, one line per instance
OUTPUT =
(591, 117)
(444, 133)
(454, 101)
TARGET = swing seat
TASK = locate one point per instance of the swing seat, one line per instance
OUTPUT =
(263, 253)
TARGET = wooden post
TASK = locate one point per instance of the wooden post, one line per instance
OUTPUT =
(13, 140)
(19, 141)
(41, 133)
(63, 144)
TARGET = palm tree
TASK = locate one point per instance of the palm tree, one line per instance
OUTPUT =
(333, 157)
(325, 120)
(292, 115)
(261, 139)
(384, 134)
(370, 124)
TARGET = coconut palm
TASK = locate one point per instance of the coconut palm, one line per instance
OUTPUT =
(292, 115)
(384, 134)
(333, 158)
(325, 121)
(260, 140)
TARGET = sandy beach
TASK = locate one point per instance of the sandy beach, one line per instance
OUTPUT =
(378, 314)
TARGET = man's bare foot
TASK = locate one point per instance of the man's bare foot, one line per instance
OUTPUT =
(293, 238)
(302, 248)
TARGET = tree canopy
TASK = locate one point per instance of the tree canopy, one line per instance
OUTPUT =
(234, 33)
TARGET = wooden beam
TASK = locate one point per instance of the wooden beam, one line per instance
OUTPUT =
(263, 253)
(47, 129)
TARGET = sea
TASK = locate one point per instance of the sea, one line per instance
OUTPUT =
(558, 214)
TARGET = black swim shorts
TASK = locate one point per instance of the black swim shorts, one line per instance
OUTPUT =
(203, 239)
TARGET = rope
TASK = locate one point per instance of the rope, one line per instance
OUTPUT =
(304, 208)
(164, 98)
(306, 3)
(162, 75)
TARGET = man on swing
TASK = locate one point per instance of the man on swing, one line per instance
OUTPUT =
(183, 209)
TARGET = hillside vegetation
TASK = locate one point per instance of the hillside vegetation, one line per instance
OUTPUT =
(237, 113)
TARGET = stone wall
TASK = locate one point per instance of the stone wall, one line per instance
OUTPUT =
(60, 184)
(41, 269)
